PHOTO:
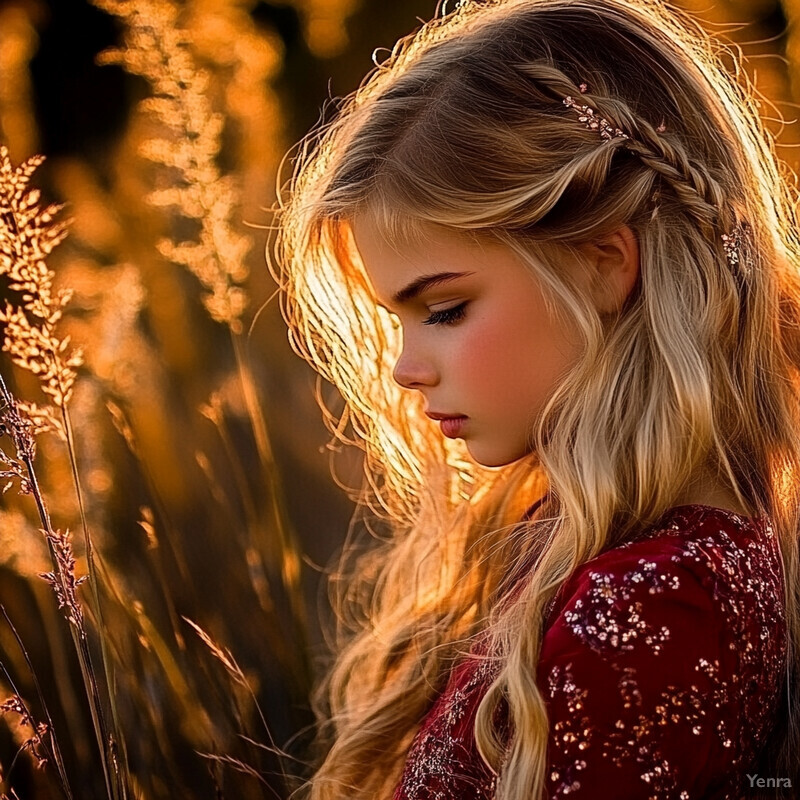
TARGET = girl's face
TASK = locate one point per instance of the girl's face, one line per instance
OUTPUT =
(478, 340)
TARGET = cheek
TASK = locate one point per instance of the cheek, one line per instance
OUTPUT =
(516, 354)
(484, 355)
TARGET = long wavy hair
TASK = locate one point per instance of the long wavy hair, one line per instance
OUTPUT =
(463, 126)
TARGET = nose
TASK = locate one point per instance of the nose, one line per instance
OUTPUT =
(412, 371)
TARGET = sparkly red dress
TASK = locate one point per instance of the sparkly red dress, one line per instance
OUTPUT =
(661, 668)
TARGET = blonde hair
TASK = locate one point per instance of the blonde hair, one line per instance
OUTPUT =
(464, 126)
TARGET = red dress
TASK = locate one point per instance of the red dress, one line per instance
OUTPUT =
(661, 666)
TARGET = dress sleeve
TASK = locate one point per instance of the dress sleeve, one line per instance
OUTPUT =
(634, 673)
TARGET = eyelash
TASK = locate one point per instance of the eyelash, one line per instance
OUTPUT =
(448, 316)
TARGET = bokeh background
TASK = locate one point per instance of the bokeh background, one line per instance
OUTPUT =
(211, 489)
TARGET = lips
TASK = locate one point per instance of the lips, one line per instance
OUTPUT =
(438, 416)
(451, 426)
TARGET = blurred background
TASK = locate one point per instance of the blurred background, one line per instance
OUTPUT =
(209, 487)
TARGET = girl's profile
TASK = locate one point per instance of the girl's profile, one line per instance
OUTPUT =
(548, 257)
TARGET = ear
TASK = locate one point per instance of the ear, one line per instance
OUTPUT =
(614, 262)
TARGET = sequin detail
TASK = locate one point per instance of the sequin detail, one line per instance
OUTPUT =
(443, 765)
(601, 625)
(661, 667)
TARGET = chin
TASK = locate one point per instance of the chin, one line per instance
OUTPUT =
(496, 458)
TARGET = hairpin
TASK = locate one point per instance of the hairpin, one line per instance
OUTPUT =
(736, 243)
(594, 121)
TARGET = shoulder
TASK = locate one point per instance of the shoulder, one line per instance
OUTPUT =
(675, 637)
(699, 571)
(701, 555)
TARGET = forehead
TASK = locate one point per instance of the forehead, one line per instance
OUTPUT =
(392, 259)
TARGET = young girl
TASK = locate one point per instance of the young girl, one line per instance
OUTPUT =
(549, 259)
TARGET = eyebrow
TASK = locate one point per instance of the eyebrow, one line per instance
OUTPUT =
(421, 284)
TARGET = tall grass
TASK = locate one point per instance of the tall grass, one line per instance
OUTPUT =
(150, 666)
(28, 234)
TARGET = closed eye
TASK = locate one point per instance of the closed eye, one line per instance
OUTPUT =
(447, 316)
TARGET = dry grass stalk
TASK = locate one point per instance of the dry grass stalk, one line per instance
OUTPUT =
(235, 671)
(158, 49)
(222, 654)
(41, 750)
(28, 235)
(14, 424)
(237, 764)
(32, 743)
(65, 589)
